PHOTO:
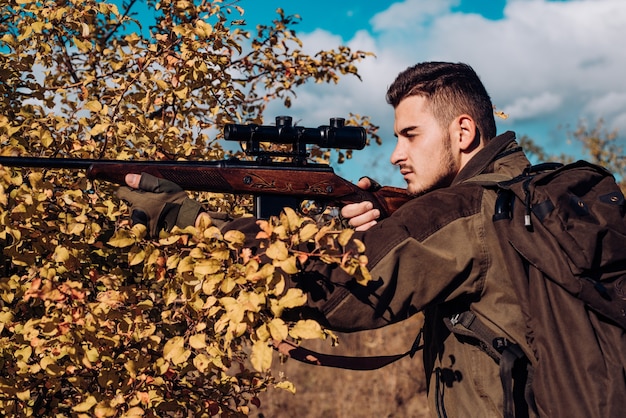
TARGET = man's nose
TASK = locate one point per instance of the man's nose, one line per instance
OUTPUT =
(397, 156)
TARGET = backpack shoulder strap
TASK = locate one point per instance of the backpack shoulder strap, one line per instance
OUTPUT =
(488, 179)
(508, 354)
(292, 350)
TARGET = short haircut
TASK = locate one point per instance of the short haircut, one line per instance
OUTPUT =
(452, 89)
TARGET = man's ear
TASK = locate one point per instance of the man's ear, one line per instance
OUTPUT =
(468, 135)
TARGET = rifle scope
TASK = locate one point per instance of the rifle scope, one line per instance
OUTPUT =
(335, 135)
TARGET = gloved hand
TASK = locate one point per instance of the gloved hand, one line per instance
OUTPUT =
(362, 216)
(160, 205)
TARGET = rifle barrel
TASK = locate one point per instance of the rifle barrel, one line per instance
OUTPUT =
(39, 162)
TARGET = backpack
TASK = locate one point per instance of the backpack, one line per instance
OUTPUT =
(563, 233)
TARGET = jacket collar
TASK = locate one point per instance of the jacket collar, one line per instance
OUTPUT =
(481, 161)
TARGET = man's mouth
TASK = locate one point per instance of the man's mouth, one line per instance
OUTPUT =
(405, 172)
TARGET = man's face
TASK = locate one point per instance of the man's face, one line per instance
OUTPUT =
(424, 151)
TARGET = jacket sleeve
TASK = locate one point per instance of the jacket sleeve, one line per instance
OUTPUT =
(430, 250)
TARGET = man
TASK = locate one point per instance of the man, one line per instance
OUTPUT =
(438, 253)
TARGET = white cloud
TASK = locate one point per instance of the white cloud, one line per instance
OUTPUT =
(531, 107)
(544, 59)
(618, 123)
(608, 104)
(410, 14)
(547, 64)
(611, 108)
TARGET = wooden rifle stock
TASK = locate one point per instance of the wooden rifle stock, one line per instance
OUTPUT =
(316, 182)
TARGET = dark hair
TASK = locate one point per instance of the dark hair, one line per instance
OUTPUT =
(452, 89)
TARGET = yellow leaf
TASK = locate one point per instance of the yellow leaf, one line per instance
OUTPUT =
(293, 298)
(266, 272)
(235, 237)
(307, 329)
(288, 386)
(501, 114)
(344, 237)
(186, 264)
(112, 7)
(211, 283)
(227, 285)
(61, 254)
(307, 232)
(360, 246)
(206, 267)
(46, 139)
(182, 94)
(5, 318)
(174, 350)
(23, 396)
(291, 218)
(263, 333)
(137, 257)
(94, 106)
(121, 239)
(261, 357)
(289, 265)
(103, 411)
(277, 251)
(82, 46)
(172, 261)
(23, 353)
(86, 405)
(278, 329)
(234, 311)
(162, 84)
(98, 129)
(75, 228)
(134, 412)
(202, 362)
(38, 26)
(197, 253)
(197, 341)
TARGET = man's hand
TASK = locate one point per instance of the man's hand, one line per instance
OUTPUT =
(159, 204)
(362, 216)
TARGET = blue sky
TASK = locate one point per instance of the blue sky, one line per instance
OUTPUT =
(547, 64)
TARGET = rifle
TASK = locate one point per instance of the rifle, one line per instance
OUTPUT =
(275, 184)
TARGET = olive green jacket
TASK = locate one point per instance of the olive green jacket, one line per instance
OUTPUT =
(438, 254)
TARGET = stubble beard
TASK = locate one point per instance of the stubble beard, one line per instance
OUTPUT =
(447, 172)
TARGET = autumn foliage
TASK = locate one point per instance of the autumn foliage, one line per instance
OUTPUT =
(96, 320)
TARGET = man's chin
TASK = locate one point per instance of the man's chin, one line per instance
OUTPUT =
(414, 190)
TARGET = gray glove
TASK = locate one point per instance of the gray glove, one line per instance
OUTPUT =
(160, 205)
